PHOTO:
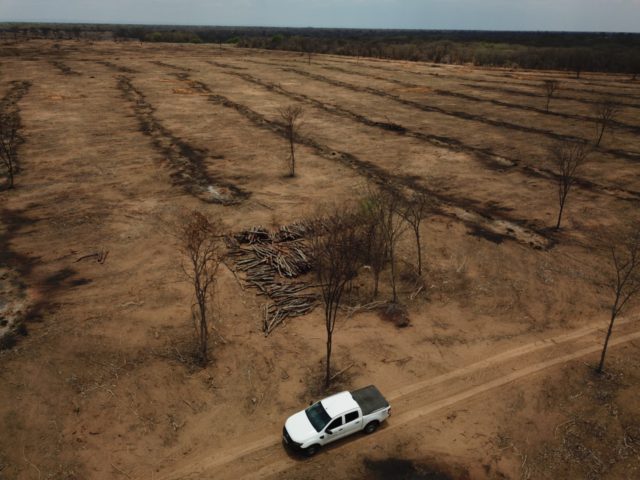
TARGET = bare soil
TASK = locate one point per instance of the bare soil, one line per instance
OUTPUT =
(490, 379)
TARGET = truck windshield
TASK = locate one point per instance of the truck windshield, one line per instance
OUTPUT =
(318, 416)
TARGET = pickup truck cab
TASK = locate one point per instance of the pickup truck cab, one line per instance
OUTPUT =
(335, 417)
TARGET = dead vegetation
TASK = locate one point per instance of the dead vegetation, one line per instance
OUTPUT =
(292, 118)
(597, 435)
(624, 281)
(336, 249)
(605, 112)
(464, 209)
(550, 87)
(270, 262)
(200, 244)
(10, 125)
(463, 292)
(568, 159)
(64, 68)
(186, 161)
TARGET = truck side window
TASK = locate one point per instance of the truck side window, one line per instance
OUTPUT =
(335, 424)
(350, 417)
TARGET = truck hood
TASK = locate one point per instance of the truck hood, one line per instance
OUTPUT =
(299, 427)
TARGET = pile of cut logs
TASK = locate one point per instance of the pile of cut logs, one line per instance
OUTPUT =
(269, 261)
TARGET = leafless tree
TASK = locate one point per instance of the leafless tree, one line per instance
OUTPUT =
(292, 118)
(9, 125)
(606, 110)
(376, 251)
(336, 248)
(568, 158)
(414, 212)
(550, 87)
(199, 239)
(393, 226)
(625, 256)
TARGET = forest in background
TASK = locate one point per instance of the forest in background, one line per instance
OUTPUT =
(570, 51)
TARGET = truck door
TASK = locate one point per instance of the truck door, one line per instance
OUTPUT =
(333, 430)
(352, 423)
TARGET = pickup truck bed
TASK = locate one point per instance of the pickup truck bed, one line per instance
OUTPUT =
(370, 399)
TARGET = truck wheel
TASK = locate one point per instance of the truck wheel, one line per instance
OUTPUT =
(311, 451)
(371, 427)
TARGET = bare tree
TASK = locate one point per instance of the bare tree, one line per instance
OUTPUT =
(606, 110)
(550, 87)
(568, 158)
(9, 125)
(292, 117)
(200, 244)
(336, 247)
(413, 213)
(393, 226)
(625, 256)
(376, 251)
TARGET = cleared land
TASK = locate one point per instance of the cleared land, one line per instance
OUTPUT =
(489, 379)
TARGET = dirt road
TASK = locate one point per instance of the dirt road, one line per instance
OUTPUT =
(418, 400)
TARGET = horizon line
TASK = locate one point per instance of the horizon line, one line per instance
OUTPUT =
(196, 25)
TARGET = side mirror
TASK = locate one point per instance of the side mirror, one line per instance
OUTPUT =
(329, 432)
(310, 403)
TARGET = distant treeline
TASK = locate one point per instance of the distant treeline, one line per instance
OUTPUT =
(577, 52)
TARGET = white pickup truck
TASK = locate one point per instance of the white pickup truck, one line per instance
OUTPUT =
(335, 417)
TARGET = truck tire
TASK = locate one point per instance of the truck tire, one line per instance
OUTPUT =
(311, 450)
(371, 427)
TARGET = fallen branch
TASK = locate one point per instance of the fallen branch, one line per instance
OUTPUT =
(234, 274)
(31, 464)
(120, 470)
(340, 372)
(87, 256)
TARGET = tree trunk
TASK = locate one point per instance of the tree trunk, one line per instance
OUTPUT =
(393, 276)
(548, 102)
(419, 250)
(601, 135)
(10, 170)
(293, 158)
(203, 331)
(560, 213)
(376, 282)
(327, 376)
(606, 340)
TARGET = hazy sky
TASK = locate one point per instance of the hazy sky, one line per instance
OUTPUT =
(587, 15)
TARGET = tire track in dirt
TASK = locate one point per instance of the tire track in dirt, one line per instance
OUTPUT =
(493, 101)
(412, 415)
(481, 221)
(485, 155)
(399, 420)
(187, 162)
(502, 357)
(633, 156)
